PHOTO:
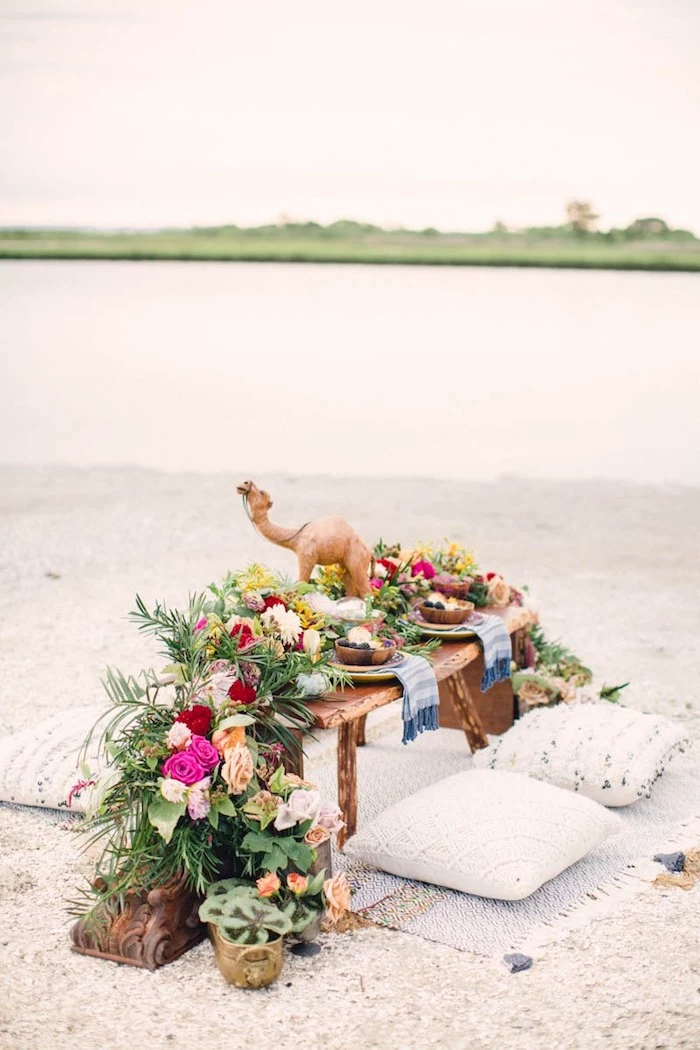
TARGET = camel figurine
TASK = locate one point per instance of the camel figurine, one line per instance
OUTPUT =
(326, 541)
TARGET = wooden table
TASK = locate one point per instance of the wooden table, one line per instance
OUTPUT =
(458, 668)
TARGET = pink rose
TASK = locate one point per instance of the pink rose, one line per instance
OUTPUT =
(424, 568)
(184, 767)
(330, 817)
(205, 753)
(299, 807)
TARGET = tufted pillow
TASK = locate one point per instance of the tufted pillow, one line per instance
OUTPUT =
(39, 766)
(608, 753)
(492, 834)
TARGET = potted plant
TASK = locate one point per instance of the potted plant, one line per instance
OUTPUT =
(247, 931)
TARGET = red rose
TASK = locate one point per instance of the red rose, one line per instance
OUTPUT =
(244, 634)
(490, 576)
(197, 719)
(241, 693)
(390, 566)
(271, 600)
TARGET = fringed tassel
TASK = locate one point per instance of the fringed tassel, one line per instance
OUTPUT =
(499, 671)
(425, 719)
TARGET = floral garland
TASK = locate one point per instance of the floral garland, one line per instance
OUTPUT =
(195, 783)
(554, 674)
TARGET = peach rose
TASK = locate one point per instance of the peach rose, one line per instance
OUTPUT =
(224, 740)
(567, 690)
(317, 836)
(498, 592)
(531, 694)
(337, 894)
(268, 884)
(238, 769)
(298, 782)
(298, 884)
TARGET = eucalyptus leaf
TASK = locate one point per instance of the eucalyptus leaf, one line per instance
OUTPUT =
(236, 720)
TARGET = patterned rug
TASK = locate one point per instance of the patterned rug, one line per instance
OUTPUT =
(388, 771)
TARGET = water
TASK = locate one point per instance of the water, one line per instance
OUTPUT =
(351, 370)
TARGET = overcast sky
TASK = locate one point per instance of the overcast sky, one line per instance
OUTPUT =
(452, 113)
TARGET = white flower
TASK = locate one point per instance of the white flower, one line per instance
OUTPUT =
(380, 571)
(312, 642)
(217, 686)
(179, 736)
(283, 621)
(299, 807)
(173, 790)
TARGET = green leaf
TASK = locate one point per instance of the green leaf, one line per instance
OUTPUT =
(316, 883)
(255, 842)
(213, 818)
(85, 771)
(225, 807)
(274, 859)
(152, 762)
(298, 852)
(164, 816)
(236, 720)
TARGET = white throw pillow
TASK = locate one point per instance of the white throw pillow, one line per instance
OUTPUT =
(608, 753)
(39, 766)
(492, 834)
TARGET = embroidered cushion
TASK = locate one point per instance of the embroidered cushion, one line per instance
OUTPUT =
(485, 832)
(610, 754)
(39, 766)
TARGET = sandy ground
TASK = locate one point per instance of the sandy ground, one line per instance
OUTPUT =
(614, 570)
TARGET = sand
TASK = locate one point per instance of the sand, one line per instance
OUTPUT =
(614, 570)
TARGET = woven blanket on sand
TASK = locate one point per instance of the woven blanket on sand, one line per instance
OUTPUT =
(621, 866)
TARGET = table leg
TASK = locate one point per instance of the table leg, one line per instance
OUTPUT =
(347, 779)
(471, 723)
(361, 727)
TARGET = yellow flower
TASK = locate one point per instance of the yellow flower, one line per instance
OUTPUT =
(255, 578)
(331, 578)
(308, 616)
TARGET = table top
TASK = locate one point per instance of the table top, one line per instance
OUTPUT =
(345, 705)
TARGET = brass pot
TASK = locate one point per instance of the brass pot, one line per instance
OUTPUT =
(247, 965)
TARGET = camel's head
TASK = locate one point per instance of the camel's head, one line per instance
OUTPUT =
(257, 499)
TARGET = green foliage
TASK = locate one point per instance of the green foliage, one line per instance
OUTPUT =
(612, 692)
(558, 659)
(244, 917)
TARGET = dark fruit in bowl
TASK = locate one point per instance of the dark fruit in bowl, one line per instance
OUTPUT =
(361, 654)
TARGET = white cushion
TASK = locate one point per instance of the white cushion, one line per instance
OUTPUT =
(608, 753)
(492, 834)
(39, 766)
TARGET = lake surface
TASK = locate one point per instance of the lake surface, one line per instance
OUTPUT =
(462, 372)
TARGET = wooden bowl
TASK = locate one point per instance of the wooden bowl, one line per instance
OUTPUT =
(363, 657)
(447, 616)
(452, 588)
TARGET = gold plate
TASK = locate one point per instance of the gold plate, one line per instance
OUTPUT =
(367, 675)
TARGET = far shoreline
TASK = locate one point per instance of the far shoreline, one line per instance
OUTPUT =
(680, 263)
